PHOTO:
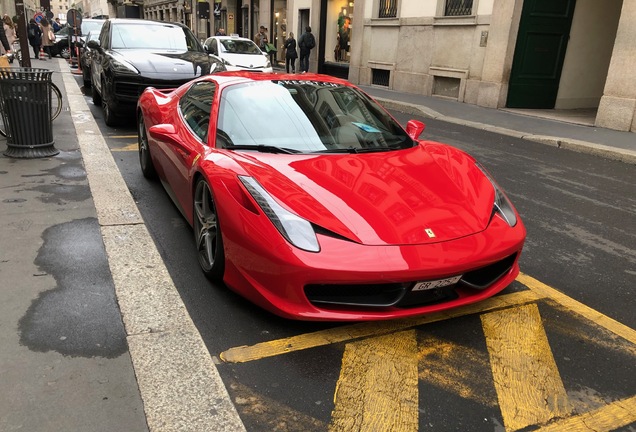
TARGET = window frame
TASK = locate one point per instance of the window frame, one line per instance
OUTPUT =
(188, 98)
(442, 6)
(387, 3)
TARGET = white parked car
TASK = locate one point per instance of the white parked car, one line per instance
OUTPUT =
(238, 53)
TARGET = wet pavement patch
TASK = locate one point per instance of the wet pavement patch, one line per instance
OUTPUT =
(62, 193)
(79, 317)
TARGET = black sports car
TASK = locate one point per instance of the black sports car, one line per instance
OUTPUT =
(132, 54)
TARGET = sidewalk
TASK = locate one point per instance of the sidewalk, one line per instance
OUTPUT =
(94, 335)
(606, 143)
(93, 332)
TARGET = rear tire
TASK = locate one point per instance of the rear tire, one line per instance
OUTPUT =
(207, 233)
(145, 160)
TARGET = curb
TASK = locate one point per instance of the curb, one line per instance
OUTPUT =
(179, 384)
(622, 155)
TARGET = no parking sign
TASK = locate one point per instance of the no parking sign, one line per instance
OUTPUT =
(38, 17)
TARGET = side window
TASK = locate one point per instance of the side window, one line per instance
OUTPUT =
(195, 107)
(387, 8)
(210, 46)
(103, 37)
(458, 8)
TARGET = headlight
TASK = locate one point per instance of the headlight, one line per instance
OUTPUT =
(502, 205)
(123, 67)
(295, 229)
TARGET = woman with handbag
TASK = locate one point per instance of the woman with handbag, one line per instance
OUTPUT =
(9, 32)
(48, 37)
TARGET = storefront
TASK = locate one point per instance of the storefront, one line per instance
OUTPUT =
(335, 41)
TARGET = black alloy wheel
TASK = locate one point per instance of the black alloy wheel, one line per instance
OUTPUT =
(109, 114)
(147, 167)
(207, 233)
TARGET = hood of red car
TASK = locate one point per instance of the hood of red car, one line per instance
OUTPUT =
(426, 194)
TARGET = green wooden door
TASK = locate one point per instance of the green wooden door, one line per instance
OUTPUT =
(541, 44)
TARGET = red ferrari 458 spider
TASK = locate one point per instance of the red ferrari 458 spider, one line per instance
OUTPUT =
(310, 200)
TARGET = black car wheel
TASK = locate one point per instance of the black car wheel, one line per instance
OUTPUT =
(97, 98)
(65, 52)
(109, 115)
(86, 76)
(147, 167)
(207, 233)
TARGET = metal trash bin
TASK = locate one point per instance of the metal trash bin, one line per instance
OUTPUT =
(25, 98)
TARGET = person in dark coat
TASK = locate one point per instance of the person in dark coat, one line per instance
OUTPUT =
(34, 33)
(306, 43)
(290, 53)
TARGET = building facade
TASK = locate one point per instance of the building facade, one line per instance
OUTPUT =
(562, 54)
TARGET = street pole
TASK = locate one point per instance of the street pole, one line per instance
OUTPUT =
(22, 34)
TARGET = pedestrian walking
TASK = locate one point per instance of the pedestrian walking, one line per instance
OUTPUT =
(9, 34)
(34, 33)
(290, 53)
(306, 43)
(261, 39)
(48, 36)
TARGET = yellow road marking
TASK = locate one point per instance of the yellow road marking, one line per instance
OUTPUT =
(610, 417)
(604, 321)
(372, 328)
(377, 389)
(122, 136)
(130, 147)
(526, 377)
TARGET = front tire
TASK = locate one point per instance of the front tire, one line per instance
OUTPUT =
(97, 98)
(207, 233)
(109, 114)
(147, 167)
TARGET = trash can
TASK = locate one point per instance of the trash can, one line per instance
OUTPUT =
(25, 99)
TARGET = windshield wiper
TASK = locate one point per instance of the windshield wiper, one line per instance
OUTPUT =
(358, 150)
(262, 148)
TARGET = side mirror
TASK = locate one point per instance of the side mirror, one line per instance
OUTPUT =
(165, 133)
(414, 128)
(93, 44)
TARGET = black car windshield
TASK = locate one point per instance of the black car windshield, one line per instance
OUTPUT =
(163, 37)
(232, 46)
(306, 116)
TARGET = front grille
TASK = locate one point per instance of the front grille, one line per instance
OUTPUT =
(486, 276)
(134, 90)
(369, 295)
(400, 295)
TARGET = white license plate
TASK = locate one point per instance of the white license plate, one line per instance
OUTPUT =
(421, 286)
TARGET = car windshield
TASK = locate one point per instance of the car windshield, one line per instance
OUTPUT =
(91, 26)
(306, 116)
(153, 36)
(232, 46)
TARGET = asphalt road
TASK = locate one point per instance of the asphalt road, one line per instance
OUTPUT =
(580, 213)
